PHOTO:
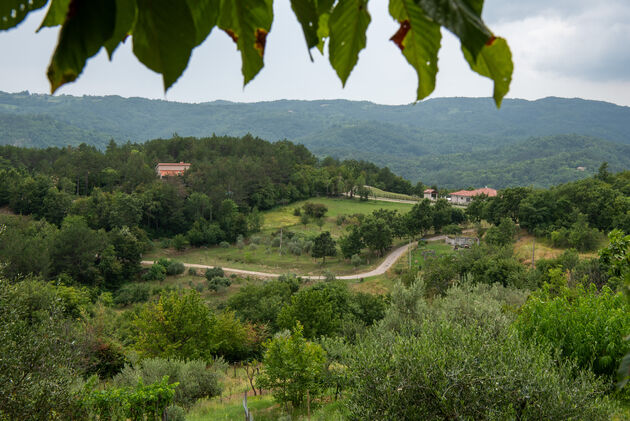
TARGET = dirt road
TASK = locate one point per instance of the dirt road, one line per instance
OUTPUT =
(381, 269)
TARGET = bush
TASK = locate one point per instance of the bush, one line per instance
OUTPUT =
(315, 210)
(180, 242)
(192, 271)
(297, 212)
(175, 268)
(213, 273)
(457, 358)
(156, 272)
(133, 292)
(219, 282)
(292, 366)
(224, 245)
(356, 260)
(452, 229)
(175, 413)
(584, 325)
(195, 380)
(340, 219)
(240, 242)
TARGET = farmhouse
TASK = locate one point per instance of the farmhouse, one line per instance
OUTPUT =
(464, 197)
(166, 169)
(430, 194)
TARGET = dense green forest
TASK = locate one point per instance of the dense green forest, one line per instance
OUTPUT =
(438, 141)
(88, 333)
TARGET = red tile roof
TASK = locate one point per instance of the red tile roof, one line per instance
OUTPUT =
(469, 193)
(429, 191)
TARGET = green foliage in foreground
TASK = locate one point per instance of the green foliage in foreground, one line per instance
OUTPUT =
(460, 361)
(39, 358)
(138, 402)
(585, 325)
(292, 366)
(193, 378)
(164, 34)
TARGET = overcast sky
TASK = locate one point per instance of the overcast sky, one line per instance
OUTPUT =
(566, 48)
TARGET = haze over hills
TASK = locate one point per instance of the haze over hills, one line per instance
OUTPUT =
(446, 141)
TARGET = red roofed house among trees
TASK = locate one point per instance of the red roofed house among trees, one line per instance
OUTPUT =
(464, 197)
(166, 169)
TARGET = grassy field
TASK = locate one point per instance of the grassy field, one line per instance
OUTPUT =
(282, 216)
(258, 253)
(544, 250)
(389, 195)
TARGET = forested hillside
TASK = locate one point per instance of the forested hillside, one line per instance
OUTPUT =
(433, 141)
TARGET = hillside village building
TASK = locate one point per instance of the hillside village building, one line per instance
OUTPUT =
(167, 169)
(430, 194)
(464, 197)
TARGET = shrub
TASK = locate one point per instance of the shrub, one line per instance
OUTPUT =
(461, 349)
(356, 260)
(240, 242)
(175, 268)
(156, 272)
(475, 374)
(192, 271)
(297, 212)
(175, 413)
(304, 219)
(452, 229)
(219, 282)
(224, 245)
(213, 273)
(315, 210)
(195, 380)
(133, 292)
(584, 325)
(292, 366)
(180, 242)
(340, 219)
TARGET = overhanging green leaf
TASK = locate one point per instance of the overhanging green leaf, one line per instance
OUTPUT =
(163, 37)
(125, 17)
(12, 12)
(56, 14)
(462, 17)
(348, 23)
(82, 35)
(248, 22)
(205, 14)
(495, 62)
(310, 13)
(419, 40)
(306, 13)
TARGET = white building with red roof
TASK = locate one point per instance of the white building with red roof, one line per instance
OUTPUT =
(166, 169)
(464, 197)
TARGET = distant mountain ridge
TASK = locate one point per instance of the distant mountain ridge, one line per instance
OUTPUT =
(406, 137)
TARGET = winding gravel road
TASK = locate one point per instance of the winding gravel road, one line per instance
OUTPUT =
(381, 269)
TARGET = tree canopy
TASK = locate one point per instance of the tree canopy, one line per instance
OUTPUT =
(164, 33)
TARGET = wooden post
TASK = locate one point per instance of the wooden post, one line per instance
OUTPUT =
(280, 249)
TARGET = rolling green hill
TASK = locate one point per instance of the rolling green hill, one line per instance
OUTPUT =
(433, 141)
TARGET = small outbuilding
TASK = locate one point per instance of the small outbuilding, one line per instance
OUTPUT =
(431, 194)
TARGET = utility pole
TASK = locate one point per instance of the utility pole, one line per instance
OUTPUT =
(409, 252)
(280, 249)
